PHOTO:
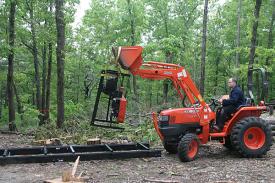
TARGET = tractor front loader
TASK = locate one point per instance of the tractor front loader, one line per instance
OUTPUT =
(182, 130)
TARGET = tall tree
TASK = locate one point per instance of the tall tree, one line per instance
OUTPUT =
(48, 83)
(238, 33)
(133, 41)
(30, 6)
(44, 82)
(18, 101)
(10, 91)
(203, 47)
(60, 57)
(49, 73)
(270, 33)
(253, 43)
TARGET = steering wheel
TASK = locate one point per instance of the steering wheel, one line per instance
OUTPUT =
(214, 103)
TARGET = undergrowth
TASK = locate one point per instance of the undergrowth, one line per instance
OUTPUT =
(78, 132)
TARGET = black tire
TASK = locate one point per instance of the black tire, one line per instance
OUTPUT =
(171, 148)
(238, 139)
(227, 143)
(184, 147)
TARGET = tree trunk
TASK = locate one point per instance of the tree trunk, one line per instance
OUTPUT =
(217, 62)
(150, 94)
(49, 73)
(44, 70)
(168, 59)
(133, 42)
(78, 77)
(165, 91)
(60, 57)
(253, 43)
(1, 101)
(10, 92)
(19, 104)
(270, 36)
(238, 35)
(48, 83)
(203, 47)
(35, 57)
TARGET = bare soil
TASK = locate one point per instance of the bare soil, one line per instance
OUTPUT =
(214, 164)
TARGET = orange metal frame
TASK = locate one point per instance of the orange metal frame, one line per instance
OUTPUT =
(181, 80)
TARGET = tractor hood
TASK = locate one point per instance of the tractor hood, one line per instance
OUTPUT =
(181, 115)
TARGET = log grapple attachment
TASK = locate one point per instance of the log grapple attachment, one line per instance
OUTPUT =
(111, 86)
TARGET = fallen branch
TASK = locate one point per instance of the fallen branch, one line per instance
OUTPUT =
(9, 132)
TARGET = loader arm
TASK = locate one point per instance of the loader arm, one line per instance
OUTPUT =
(130, 59)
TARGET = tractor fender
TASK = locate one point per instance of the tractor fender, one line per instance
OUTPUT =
(243, 112)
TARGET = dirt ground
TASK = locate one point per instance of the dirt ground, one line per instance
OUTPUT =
(214, 164)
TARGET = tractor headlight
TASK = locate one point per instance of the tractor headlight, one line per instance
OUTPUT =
(164, 118)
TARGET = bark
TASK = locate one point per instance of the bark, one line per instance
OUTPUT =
(238, 34)
(216, 74)
(33, 96)
(78, 77)
(253, 43)
(270, 33)
(1, 102)
(133, 42)
(165, 91)
(48, 80)
(150, 94)
(48, 83)
(60, 57)
(44, 70)
(35, 56)
(168, 59)
(203, 47)
(18, 101)
(10, 92)
(87, 86)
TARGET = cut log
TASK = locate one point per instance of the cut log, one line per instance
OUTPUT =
(59, 180)
(68, 176)
(93, 141)
(47, 142)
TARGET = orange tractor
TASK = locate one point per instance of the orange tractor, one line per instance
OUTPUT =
(182, 130)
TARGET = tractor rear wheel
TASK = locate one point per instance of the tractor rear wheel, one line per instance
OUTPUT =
(251, 137)
(188, 147)
(171, 148)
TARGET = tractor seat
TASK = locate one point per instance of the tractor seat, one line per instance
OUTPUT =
(248, 102)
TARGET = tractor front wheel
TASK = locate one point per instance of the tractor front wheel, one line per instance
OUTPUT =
(170, 147)
(251, 137)
(188, 147)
